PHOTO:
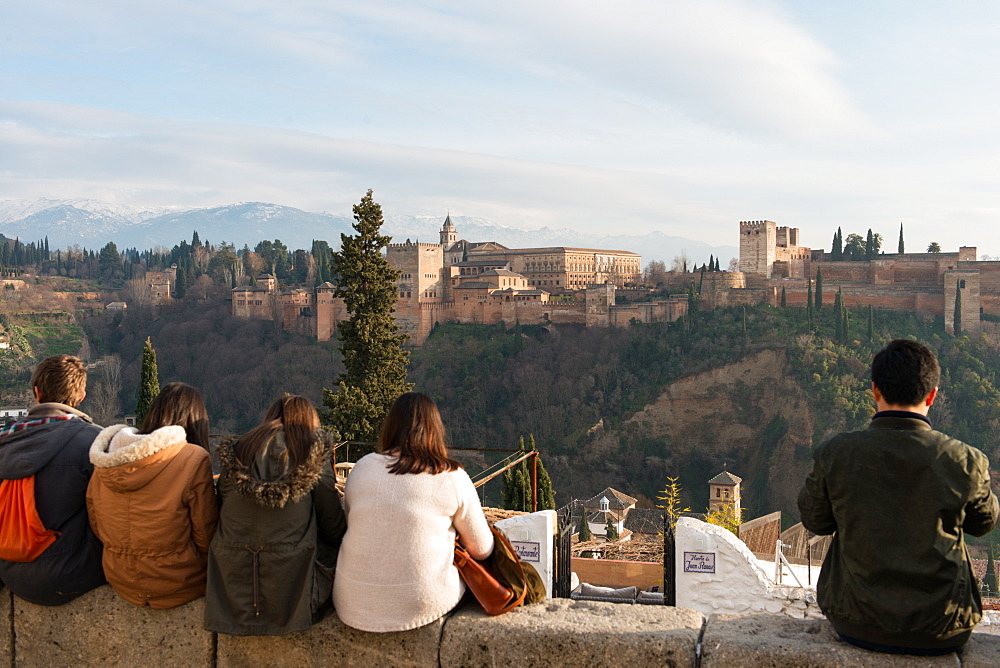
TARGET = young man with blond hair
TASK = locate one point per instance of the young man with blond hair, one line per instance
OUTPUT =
(52, 443)
(900, 497)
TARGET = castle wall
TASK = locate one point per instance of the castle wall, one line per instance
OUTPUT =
(716, 286)
(668, 310)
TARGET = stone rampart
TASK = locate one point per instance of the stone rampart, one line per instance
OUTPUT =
(100, 628)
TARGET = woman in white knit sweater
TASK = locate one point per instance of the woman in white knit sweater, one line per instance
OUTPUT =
(404, 507)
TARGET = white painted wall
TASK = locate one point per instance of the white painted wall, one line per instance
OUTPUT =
(717, 574)
(531, 535)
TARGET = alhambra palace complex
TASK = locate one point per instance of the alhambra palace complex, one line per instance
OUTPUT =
(771, 259)
(476, 282)
(484, 282)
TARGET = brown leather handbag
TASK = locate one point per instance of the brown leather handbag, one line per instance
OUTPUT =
(502, 582)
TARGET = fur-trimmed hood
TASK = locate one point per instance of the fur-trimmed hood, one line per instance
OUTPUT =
(290, 487)
(133, 446)
(126, 461)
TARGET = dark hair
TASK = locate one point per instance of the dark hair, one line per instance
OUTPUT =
(414, 433)
(293, 414)
(905, 372)
(178, 404)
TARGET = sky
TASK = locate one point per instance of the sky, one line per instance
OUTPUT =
(631, 117)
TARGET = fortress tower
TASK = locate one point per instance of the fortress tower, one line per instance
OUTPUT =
(758, 243)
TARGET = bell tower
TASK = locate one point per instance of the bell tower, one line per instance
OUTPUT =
(448, 234)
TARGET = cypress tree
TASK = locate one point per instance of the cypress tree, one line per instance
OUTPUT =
(546, 496)
(610, 531)
(819, 290)
(371, 344)
(958, 309)
(837, 253)
(838, 308)
(149, 383)
(809, 302)
(784, 298)
(871, 324)
(711, 262)
(900, 248)
(584, 529)
(847, 325)
(180, 284)
(870, 245)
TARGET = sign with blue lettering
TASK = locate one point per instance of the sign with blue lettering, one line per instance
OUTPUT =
(527, 550)
(699, 562)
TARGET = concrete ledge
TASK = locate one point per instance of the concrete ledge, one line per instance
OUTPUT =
(982, 651)
(6, 623)
(561, 632)
(780, 642)
(100, 627)
(332, 643)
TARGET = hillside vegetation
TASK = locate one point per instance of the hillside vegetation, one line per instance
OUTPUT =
(752, 390)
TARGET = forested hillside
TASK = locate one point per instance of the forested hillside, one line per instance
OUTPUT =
(240, 366)
(588, 395)
(750, 389)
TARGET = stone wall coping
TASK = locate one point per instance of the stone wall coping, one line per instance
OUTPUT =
(101, 628)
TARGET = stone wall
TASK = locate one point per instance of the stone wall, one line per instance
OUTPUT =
(99, 628)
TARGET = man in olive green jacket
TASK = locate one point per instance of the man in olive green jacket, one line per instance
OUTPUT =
(900, 497)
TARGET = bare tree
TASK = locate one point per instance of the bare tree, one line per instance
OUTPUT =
(734, 264)
(655, 273)
(103, 397)
(680, 264)
(136, 293)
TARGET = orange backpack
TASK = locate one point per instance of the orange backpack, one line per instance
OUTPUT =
(22, 535)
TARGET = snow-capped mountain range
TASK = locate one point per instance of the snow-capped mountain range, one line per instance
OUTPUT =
(92, 224)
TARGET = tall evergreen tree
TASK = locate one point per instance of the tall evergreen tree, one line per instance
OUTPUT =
(149, 383)
(837, 253)
(809, 302)
(515, 493)
(847, 325)
(546, 495)
(838, 307)
(784, 298)
(371, 344)
(611, 531)
(819, 290)
(869, 246)
(901, 245)
(958, 309)
(871, 324)
(583, 531)
(180, 284)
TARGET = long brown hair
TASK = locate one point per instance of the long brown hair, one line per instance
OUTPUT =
(414, 433)
(293, 414)
(178, 404)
